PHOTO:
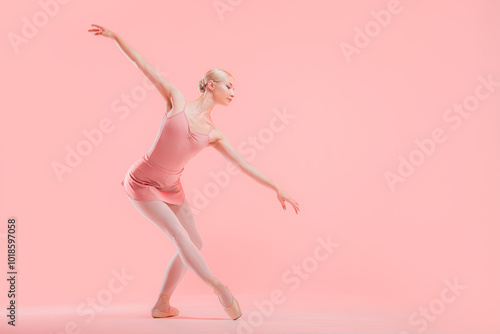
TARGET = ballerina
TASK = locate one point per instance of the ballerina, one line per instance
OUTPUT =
(153, 182)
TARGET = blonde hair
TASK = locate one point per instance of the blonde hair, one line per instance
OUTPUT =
(215, 74)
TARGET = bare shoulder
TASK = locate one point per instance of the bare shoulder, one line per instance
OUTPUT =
(217, 139)
(175, 104)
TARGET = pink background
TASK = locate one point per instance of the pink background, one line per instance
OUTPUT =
(353, 119)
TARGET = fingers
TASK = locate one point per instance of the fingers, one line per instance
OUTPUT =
(98, 31)
(294, 203)
(295, 206)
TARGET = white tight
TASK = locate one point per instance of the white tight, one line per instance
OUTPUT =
(177, 222)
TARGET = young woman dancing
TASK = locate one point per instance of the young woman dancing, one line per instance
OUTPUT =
(153, 183)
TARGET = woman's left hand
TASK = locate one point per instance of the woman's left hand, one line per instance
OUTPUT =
(282, 197)
(100, 30)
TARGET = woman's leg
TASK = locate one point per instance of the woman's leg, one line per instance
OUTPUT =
(176, 268)
(165, 219)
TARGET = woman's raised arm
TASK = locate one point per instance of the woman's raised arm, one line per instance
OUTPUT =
(166, 88)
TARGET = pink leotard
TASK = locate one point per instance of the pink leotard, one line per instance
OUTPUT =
(156, 175)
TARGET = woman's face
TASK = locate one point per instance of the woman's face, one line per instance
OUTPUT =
(224, 91)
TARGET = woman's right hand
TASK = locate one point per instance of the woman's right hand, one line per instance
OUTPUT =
(100, 30)
(283, 196)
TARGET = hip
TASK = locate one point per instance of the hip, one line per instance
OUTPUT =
(145, 170)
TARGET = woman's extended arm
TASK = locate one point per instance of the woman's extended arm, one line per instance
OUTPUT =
(166, 89)
(134, 56)
(221, 144)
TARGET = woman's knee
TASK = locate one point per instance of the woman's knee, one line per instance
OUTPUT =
(178, 235)
(185, 216)
(182, 239)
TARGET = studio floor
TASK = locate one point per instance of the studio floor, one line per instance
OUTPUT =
(203, 314)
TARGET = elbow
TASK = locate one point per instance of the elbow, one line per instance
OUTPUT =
(140, 62)
(243, 166)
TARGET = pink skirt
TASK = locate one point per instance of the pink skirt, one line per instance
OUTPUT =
(146, 181)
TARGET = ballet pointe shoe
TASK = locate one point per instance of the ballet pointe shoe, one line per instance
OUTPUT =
(172, 312)
(233, 311)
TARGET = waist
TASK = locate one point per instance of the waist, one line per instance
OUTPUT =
(148, 160)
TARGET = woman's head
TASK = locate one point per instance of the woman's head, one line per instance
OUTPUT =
(219, 83)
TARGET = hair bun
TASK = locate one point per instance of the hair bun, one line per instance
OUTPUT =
(214, 75)
(202, 85)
